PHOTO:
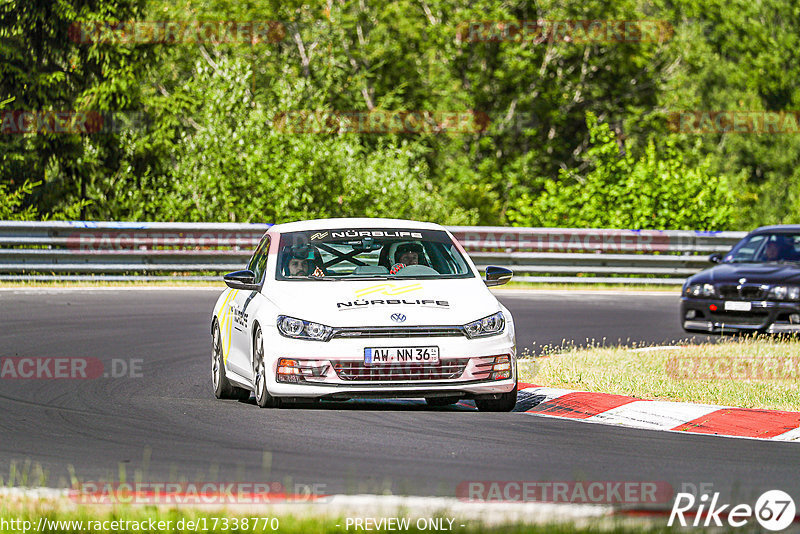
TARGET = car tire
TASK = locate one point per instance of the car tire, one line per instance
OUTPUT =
(223, 389)
(441, 401)
(263, 398)
(505, 403)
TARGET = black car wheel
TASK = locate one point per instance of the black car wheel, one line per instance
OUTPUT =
(223, 389)
(263, 398)
(505, 403)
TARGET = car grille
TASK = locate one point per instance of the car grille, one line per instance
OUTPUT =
(398, 331)
(357, 371)
(742, 291)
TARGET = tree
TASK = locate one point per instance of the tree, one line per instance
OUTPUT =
(656, 190)
(42, 68)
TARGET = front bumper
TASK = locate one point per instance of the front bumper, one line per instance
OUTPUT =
(461, 372)
(764, 317)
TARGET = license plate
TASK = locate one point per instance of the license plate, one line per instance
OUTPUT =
(389, 355)
(732, 305)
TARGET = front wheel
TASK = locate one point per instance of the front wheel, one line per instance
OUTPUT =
(223, 389)
(263, 398)
(505, 403)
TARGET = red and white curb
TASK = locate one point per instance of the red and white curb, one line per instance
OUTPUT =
(627, 411)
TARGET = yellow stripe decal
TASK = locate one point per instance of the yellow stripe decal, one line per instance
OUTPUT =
(230, 325)
(225, 320)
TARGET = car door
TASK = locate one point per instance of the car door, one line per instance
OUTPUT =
(240, 308)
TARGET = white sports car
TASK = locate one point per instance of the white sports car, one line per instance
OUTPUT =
(363, 308)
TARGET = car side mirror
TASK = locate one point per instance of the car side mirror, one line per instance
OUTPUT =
(715, 258)
(245, 280)
(497, 276)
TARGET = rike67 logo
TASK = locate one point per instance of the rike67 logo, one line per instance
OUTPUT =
(774, 510)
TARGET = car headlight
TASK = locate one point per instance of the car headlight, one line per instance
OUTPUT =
(700, 291)
(488, 326)
(299, 329)
(785, 292)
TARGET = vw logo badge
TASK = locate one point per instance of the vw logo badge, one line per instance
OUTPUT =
(398, 317)
(742, 280)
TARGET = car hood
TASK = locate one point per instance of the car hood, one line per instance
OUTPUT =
(756, 273)
(373, 302)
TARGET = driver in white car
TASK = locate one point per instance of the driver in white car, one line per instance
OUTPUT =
(405, 255)
(301, 263)
(298, 267)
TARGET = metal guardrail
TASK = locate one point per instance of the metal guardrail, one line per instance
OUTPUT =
(68, 250)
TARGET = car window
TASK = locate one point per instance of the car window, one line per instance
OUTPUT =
(766, 248)
(258, 261)
(746, 249)
(370, 253)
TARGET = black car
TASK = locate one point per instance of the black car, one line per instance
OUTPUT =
(754, 288)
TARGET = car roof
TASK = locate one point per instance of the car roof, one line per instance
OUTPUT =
(355, 223)
(777, 228)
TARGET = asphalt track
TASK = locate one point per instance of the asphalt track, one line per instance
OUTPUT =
(165, 425)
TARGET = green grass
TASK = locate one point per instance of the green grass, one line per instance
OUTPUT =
(93, 521)
(751, 372)
(292, 517)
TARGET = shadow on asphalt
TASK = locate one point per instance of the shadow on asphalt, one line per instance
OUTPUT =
(373, 405)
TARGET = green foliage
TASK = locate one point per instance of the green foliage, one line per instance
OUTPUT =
(11, 202)
(15, 205)
(234, 164)
(741, 55)
(43, 69)
(656, 190)
(211, 152)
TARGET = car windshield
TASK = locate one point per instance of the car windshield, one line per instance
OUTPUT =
(345, 254)
(767, 247)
